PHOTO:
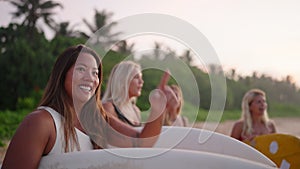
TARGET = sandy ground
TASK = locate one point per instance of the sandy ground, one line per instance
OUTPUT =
(283, 125)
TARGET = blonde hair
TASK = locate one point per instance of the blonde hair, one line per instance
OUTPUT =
(177, 90)
(246, 114)
(118, 83)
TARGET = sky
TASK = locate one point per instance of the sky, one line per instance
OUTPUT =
(247, 35)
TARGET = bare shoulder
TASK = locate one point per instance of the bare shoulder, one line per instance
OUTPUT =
(237, 129)
(38, 122)
(238, 124)
(32, 137)
(37, 127)
(271, 125)
(109, 108)
(38, 118)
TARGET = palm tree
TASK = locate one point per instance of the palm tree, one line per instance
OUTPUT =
(64, 29)
(125, 48)
(102, 20)
(157, 50)
(33, 10)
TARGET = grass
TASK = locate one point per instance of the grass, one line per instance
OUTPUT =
(9, 120)
(213, 115)
(276, 110)
(283, 110)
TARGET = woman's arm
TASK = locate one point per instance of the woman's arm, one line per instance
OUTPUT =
(123, 135)
(29, 142)
(272, 126)
(236, 131)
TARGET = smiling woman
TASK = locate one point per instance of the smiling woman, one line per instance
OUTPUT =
(83, 77)
(254, 120)
(71, 118)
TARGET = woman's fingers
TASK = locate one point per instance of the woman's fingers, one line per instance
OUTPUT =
(158, 101)
(164, 79)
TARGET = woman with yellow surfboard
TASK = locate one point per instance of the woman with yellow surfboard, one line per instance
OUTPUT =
(258, 131)
(254, 119)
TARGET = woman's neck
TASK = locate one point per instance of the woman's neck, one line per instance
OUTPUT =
(256, 120)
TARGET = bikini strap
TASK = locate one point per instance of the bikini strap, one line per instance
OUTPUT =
(122, 117)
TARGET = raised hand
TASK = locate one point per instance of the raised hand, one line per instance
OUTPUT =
(164, 80)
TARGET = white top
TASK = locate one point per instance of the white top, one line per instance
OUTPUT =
(58, 148)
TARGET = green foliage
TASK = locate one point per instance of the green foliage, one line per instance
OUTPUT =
(231, 114)
(9, 121)
(191, 112)
(109, 60)
(203, 86)
(225, 115)
(275, 110)
(29, 102)
(27, 57)
(26, 102)
(277, 92)
(24, 66)
(102, 20)
(59, 43)
(151, 79)
(283, 110)
(202, 115)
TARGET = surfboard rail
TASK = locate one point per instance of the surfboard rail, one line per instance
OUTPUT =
(176, 147)
(195, 139)
(131, 158)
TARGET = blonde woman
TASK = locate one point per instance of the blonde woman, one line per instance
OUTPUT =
(254, 120)
(124, 86)
(173, 108)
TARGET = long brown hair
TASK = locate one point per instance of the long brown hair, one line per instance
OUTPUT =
(55, 95)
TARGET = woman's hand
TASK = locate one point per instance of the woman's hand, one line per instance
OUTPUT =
(158, 103)
(164, 80)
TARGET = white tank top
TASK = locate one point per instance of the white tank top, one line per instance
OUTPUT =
(58, 148)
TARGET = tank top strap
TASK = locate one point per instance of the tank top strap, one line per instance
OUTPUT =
(122, 117)
(58, 147)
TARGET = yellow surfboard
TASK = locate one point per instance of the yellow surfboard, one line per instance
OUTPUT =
(282, 149)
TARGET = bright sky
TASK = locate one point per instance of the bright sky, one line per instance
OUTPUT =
(248, 35)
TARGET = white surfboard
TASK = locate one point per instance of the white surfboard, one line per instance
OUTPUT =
(208, 141)
(134, 158)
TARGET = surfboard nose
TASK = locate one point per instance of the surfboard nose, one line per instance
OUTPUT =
(282, 149)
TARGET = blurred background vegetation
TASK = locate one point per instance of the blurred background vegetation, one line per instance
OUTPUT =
(27, 57)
